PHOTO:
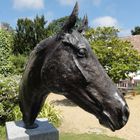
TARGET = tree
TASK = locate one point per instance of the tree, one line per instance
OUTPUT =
(40, 28)
(136, 31)
(116, 55)
(28, 34)
(31, 32)
(55, 26)
(102, 33)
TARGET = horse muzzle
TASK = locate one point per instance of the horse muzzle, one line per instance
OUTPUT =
(115, 121)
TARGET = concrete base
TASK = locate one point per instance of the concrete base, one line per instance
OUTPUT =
(44, 131)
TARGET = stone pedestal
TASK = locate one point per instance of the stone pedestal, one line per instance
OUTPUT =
(44, 131)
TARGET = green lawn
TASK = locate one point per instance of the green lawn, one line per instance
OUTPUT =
(86, 137)
(2, 133)
(70, 136)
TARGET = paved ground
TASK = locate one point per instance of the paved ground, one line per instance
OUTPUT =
(77, 120)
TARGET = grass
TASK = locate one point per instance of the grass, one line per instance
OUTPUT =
(94, 136)
(70, 136)
(2, 133)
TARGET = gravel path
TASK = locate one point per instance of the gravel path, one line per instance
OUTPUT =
(77, 120)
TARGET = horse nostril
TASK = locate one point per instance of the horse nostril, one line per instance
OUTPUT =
(125, 111)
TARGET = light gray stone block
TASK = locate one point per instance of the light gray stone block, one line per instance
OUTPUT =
(45, 131)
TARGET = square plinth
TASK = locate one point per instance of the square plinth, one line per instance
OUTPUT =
(45, 131)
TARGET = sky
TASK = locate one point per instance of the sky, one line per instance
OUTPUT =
(123, 14)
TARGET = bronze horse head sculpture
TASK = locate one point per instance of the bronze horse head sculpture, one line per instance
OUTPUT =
(65, 64)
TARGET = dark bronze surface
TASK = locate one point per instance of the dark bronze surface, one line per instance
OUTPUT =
(65, 64)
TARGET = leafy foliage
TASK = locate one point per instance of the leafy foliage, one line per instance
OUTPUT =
(117, 56)
(28, 34)
(55, 26)
(102, 33)
(6, 42)
(52, 114)
(18, 62)
(136, 31)
(48, 111)
(8, 97)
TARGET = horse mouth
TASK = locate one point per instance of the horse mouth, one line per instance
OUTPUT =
(108, 122)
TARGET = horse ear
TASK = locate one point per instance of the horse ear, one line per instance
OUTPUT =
(71, 20)
(84, 25)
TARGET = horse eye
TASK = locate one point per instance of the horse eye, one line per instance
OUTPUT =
(82, 53)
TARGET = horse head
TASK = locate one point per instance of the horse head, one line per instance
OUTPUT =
(65, 64)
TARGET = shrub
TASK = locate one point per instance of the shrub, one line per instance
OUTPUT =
(6, 42)
(48, 111)
(18, 62)
(17, 113)
(8, 97)
(53, 115)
